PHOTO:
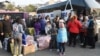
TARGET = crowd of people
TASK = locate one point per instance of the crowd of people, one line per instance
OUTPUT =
(82, 29)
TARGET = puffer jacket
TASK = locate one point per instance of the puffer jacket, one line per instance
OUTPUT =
(62, 35)
(74, 26)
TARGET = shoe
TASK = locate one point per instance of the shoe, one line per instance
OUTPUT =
(73, 45)
(60, 54)
(69, 45)
(63, 53)
(20, 55)
(14, 55)
(81, 44)
(91, 47)
(50, 49)
(57, 50)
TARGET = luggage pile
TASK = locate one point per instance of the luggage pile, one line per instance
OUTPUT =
(43, 42)
(30, 43)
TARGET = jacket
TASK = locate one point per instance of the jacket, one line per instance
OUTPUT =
(17, 29)
(91, 29)
(1, 27)
(37, 26)
(43, 23)
(62, 35)
(74, 27)
(7, 26)
(47, 29)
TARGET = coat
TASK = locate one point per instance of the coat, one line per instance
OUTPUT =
(91, 29)
(7, 26)
(17, 30)
(1, 27)
(43, 24)
(62, 35)
(37, 27)
(74, 27)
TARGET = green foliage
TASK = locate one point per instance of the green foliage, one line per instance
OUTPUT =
(30, 8)
(20, 8)
(10, 7)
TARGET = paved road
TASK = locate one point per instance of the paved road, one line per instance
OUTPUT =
(70, 51)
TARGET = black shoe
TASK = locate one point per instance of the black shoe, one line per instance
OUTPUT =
(83, 46)
(74, 46)
(69, 45)
(91, 47)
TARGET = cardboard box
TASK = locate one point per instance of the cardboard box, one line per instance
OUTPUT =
(28, 49)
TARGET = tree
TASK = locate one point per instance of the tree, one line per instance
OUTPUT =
(30, 8)
(20, 8)
(10, 7)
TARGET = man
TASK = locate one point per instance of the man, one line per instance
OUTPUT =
(90, 40)
(1, 32)
(7, 26)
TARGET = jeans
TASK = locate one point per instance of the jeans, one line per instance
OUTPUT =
(72, 38)
(62, 47)
(18, 44)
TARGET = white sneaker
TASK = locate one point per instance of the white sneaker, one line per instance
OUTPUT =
(20, 55)
(50, 49)
(14, 55)
(57, 50)
(60, 54)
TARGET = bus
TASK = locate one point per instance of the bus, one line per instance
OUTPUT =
(14, 14)
(78, 6)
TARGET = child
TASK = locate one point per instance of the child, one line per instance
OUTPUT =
(47, 28)
(53, 41)
(61, 37)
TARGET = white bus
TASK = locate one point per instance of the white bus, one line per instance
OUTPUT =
(62, 8)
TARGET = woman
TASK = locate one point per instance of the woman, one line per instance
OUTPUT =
(37, 27)
(74, 27)
(83, 31)
(48, 27)
(17, 34)
(90, 39)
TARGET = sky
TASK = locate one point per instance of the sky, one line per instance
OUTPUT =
(26, 2)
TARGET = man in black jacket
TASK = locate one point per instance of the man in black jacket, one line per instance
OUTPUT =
(90, 39)
(7, 26)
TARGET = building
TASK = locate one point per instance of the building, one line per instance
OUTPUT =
(1, 5)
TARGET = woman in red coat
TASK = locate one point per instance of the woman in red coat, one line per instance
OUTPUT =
(74, 28)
